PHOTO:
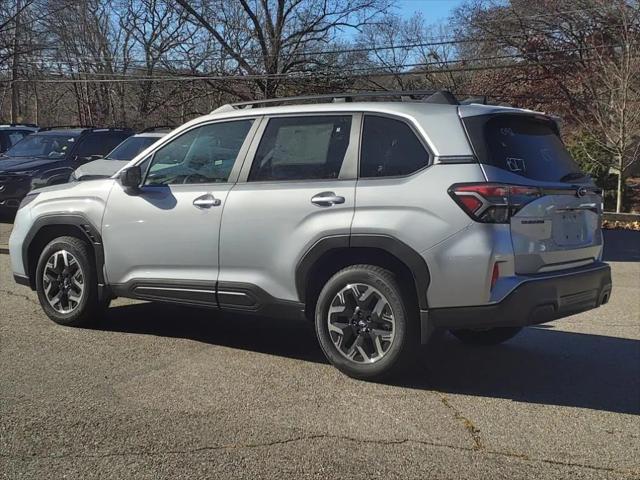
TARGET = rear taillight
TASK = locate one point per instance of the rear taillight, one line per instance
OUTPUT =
(492, 202)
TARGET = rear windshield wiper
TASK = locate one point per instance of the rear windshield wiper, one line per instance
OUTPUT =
(573, 176)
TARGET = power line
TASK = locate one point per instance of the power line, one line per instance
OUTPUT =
(302, 75)
(386, 68)
(438, 41)
(96, 62)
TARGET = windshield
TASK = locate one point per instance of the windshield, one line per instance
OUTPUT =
(130, 148)
(42, 146)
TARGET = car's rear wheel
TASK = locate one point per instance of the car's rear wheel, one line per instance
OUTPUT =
(365, 326)
(66, 282)
(491, 336)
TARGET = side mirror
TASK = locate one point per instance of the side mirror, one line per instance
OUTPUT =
(131, 177)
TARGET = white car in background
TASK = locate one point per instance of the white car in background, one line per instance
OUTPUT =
(119, 156)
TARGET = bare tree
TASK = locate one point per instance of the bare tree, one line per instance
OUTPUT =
(15, 42)
(612, 116)
(408, 52)
(576, 58)
(268, 39)
(157, 30)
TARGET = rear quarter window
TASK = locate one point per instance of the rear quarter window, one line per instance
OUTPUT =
(523, 145)
(390, 148)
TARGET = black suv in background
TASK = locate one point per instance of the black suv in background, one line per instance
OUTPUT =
(49, 156)
(12, 133)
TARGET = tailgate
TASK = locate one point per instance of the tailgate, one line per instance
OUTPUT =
(558, 230)
(559, 226)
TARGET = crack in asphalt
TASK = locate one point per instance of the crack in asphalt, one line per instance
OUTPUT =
(238, 446)
(20, 295)
(468, 425)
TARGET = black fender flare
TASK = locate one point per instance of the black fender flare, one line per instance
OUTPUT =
(400, 250)
(84, 225)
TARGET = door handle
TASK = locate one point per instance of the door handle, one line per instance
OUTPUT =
(326, 199)
(207, 201)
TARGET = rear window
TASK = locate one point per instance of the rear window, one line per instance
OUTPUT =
(526, 146)
(99, 143)
(131, 147)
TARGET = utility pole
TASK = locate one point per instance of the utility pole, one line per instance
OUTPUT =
(15, 101)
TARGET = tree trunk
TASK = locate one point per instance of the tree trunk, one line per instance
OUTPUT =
(15, 103)
(620, 190)
(36, 104)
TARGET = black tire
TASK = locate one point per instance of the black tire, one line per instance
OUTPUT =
(404, 344)
(492, 336)
(88, 309)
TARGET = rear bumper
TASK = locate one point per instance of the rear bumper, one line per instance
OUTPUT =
(539, 299)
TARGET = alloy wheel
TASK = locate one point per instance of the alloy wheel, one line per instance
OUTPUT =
(63, 281)
(361, 323)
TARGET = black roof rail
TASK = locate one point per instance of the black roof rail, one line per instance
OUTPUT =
(93, 128)
(429, 96)
(65, 127)
(126, 129)
(156, 128)
(19, 124)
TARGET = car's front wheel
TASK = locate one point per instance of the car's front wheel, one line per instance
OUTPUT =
(66, 282)
(365, 326)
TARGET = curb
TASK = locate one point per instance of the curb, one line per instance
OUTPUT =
(621, 217)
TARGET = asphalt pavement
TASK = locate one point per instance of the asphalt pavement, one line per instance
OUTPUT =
(159, 391)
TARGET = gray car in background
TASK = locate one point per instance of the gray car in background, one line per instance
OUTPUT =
(119, 156)
(380, 221)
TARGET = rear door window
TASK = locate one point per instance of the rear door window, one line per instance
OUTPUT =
(302, 148)
(522, 145)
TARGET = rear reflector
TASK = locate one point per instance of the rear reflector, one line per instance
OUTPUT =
(471, 203)
(492, 202)
(495, 274)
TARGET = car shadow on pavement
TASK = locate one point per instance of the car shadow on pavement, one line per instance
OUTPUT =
(621, 246)
(541, 365)
(282, 337)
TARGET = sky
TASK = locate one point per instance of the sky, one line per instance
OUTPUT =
(433, 11)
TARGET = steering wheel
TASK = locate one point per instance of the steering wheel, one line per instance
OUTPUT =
(192, 176)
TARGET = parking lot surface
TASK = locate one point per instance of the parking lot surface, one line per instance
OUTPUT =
(158, 391)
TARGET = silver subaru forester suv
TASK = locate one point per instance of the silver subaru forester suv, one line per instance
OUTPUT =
(379, 220)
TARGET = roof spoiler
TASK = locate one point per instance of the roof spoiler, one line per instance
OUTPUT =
(157, 128)
(483, 100)
(442, 97)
